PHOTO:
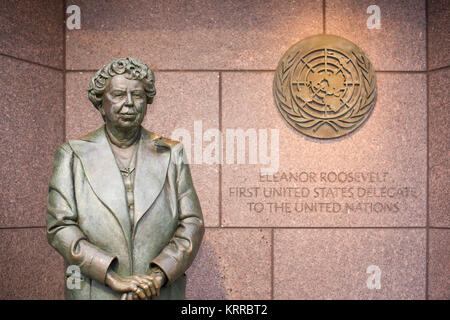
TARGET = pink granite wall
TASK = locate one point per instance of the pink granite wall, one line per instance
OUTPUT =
(214, 63)
(438, 149)
(31, 125)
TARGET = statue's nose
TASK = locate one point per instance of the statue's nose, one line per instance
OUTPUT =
(129, 101)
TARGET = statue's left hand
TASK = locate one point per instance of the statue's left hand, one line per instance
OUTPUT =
(151, 284)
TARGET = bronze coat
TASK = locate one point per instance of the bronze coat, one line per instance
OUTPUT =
(88, 221)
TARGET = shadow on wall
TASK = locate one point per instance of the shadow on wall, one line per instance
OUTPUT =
(204, 279)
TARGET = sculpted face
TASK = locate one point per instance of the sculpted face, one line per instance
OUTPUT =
(124, 103)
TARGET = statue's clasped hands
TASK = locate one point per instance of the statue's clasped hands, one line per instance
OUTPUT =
(136, 287)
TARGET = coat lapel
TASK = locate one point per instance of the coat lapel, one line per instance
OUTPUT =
(151, 169)
(103, 174)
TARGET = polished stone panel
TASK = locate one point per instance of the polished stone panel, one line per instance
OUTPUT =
(400, 42)
(32, 127)
(385, 158)
(438, 33)
(33, 30)
(191, 34)
(439, 148)
(208, 38)
(184, 100)
(338, 264)
(439, 264)
(30, 268)
(232, 264)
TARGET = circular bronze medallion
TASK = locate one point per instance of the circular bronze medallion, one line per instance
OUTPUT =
(325, 86)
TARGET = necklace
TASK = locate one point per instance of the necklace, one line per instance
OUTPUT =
(127, 170)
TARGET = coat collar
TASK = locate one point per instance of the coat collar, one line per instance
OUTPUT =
(103, 174)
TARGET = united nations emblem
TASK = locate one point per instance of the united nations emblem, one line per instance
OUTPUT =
(325, 86)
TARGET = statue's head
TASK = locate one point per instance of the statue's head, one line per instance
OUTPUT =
(121, 91)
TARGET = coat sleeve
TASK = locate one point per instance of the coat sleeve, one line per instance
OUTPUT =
(179, 254)
(63, 232)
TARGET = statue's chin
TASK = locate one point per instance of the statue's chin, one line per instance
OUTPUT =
(131, 123)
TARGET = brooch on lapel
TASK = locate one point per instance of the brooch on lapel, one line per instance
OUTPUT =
(161, 145)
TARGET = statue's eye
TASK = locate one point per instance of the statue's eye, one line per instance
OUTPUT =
(138, 95)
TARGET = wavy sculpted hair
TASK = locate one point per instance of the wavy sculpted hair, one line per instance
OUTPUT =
(133, 69)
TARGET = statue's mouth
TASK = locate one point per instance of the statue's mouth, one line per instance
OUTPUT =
(128, 116)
